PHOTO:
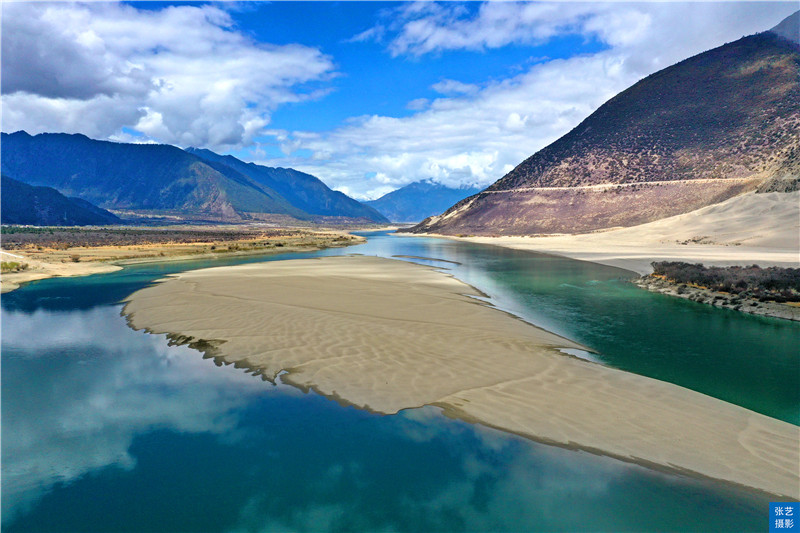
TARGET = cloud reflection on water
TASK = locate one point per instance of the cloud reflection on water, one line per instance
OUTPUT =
(83, 395)
(486, 480)
(96, 385)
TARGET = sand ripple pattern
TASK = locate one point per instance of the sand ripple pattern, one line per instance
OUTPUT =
(388, 335)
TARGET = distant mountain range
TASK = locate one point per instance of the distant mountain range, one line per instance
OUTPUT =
(301, 190)
(45, 206)
(419, 200)
(713, 126)
(157, 180)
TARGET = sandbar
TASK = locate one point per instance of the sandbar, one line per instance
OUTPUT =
(388, 335)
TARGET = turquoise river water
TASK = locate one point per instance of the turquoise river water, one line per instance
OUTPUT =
(107, 429)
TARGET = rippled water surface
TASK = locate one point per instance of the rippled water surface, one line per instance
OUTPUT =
(109, 429)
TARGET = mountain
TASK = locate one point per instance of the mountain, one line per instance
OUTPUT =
(302, 190)
(713, 126)
(45, 206)
(147, 178)
(789, 28)
(156, 180)
(419, 200)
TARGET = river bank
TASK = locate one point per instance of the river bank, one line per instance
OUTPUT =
(719, 299)
(79, 376)
(752, 228)
(43, 253)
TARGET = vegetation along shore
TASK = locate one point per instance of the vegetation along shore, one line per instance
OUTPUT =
(772, 291)
(30, 253)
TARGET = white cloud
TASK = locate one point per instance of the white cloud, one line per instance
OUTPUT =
(448, 87)
(182, 75)
(374, 33)
(421, 28)
(418, 104)
(437, 27)
(462, 139)
(475, 133)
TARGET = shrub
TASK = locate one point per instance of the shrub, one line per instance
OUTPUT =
(8, 266)
(12, 266)
(773, 283)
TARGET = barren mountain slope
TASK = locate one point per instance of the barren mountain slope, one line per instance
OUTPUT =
(713, 126)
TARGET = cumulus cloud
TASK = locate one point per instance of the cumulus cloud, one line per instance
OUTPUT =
(181, 75)
(463, 139)
(185, 75)
(475, 133)
(420, 28)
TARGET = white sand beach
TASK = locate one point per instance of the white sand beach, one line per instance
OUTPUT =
(389, 335)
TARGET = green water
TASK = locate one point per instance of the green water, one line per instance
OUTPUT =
(744, 359)
(108, 429)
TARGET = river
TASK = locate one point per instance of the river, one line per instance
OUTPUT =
(109, 429)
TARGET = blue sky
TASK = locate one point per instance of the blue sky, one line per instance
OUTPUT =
(368, 96)
(370, 80)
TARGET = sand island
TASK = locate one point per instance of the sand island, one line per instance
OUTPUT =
(388, 335)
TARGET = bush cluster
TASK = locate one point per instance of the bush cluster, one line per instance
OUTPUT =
(19, 237)
(773, 283)
(12, 266)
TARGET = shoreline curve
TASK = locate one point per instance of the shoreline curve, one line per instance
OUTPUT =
(388, 335)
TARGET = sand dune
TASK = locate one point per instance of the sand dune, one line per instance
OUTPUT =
(389, 335)
(747, 229)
